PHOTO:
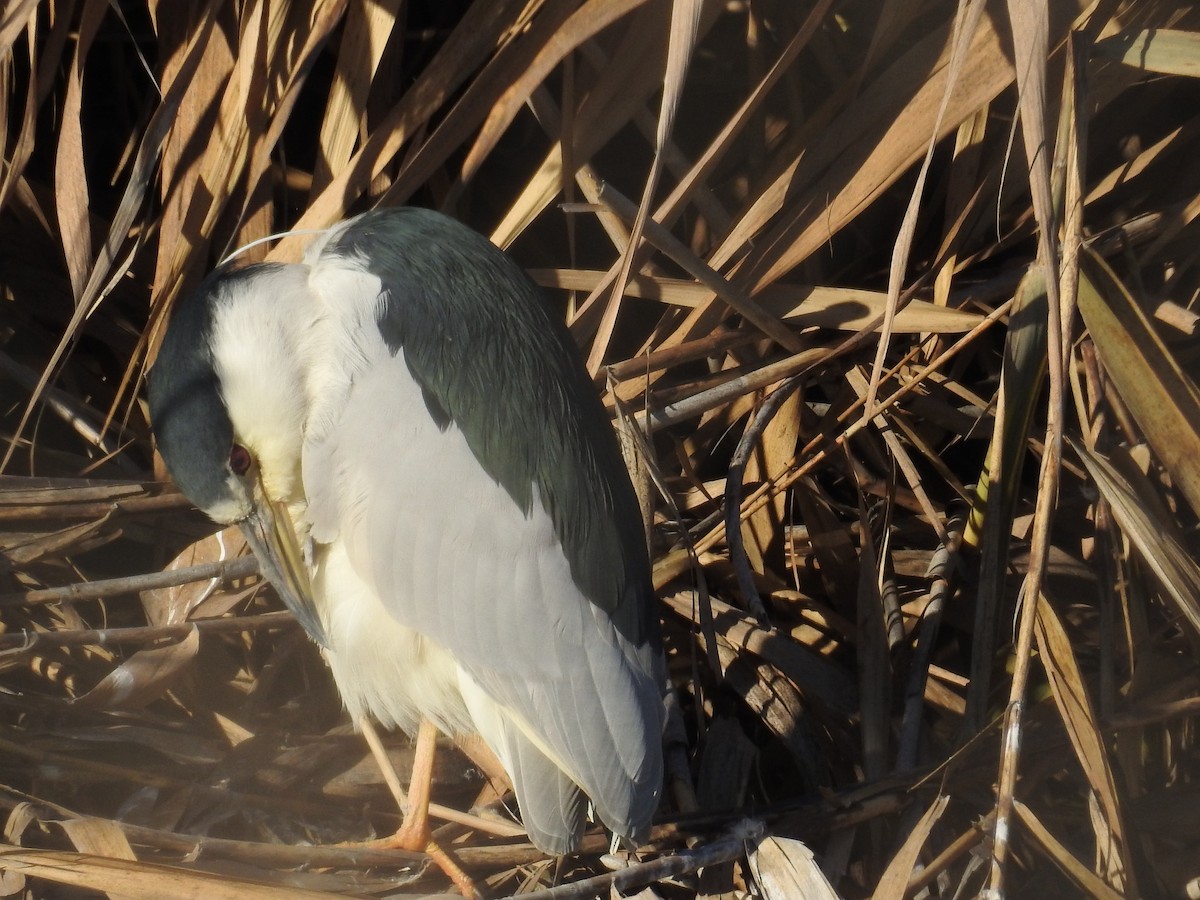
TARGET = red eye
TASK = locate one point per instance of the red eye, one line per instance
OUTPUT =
(240, 460)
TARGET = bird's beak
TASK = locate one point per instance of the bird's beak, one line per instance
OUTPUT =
(269, 532)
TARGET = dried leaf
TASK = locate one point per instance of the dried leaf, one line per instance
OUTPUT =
(586, 21)
(70, 181)
(168, 606)
(770, 459)
(829, 185)
(139, 181)
(99, 837)
(1159, 394)
(893, 885)
(681, 43)
(846, 309)
(17, 155)
(365, 35)
(144, 677)
(184, 147)
(617, 94)
(14, 19)
(1063, 858)
(1162, 50)
(23, 815)
(1078, 715)
(966, 21)
(140, 880)
(469, 44)
(1157, 542)
(786, 869)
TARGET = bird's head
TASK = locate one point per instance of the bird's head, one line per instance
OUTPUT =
(227, 405)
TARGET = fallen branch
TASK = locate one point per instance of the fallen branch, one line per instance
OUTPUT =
(684, 862)
(150, 581)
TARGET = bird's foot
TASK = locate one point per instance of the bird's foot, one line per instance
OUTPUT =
(415, 837)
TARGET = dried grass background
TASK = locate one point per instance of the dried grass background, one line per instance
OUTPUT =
(897, 301)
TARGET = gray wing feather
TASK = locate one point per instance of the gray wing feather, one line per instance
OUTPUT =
(551, 803)
(490, 358)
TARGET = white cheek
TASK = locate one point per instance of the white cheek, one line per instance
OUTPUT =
(258, 332)
(234, 509)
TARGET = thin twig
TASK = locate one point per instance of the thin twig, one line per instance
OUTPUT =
(824, 444)
(733, 495)
(683, 862)
(143, 634)
(85, 421)
(142, 504)
(242, 567)
(941, 572)
(661, 238)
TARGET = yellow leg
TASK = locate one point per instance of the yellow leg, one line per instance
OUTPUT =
(414, 834)
(475, 750)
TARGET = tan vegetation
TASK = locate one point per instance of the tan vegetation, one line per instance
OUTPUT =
(894, 300)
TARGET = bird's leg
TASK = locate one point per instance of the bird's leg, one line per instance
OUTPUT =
(497, 782)
(476, 753)
(390, 778)
(414, 834)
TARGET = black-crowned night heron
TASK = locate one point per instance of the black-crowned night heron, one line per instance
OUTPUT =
(420, 463)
